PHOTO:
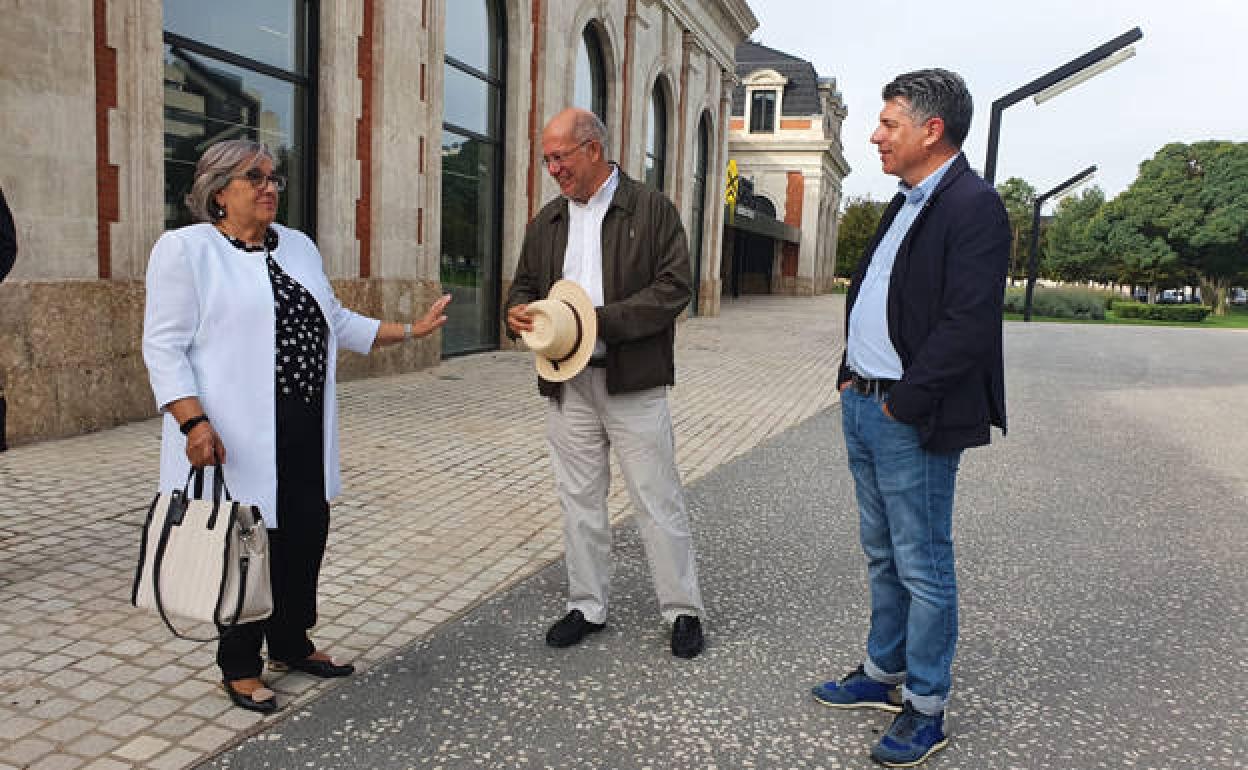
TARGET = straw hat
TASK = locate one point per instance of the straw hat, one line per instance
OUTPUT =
(565, 328)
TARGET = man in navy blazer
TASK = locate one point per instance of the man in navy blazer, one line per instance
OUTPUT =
(922, 379)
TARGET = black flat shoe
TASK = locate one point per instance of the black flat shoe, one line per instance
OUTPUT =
(325, 669)
(266, 703)
(571, 629)
(687, 636)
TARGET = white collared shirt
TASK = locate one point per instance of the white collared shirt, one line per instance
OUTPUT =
(582, 260)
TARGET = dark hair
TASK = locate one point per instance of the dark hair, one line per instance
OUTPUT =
(935, 93)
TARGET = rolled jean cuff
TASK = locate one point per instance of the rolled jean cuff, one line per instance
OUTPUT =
(880, 675)
(927, 704)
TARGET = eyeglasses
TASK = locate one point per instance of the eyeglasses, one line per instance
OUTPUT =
(559, 158)
(260, 180)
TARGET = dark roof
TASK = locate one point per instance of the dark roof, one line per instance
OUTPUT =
(801, 95)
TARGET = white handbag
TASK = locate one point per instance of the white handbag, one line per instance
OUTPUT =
(204, 560)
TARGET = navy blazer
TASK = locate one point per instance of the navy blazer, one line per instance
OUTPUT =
(944, 311)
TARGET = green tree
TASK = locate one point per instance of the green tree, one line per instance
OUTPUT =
(1019, 198)
(1187, 212)
(1070, 251)
(1134, 255)
(858, 223)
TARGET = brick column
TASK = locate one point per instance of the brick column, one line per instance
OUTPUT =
(106, 174)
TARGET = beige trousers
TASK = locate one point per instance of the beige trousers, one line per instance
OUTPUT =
(581, 428)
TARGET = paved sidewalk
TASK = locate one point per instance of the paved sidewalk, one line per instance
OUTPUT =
(1103, 602)
(447, 500)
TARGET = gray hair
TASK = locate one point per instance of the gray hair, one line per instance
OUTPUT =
(216, 167)
(935, 93)
(589, 127)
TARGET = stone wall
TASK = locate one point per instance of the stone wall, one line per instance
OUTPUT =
(47, 156)
(73, 360)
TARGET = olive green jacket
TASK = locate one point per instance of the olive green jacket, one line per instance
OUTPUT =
(645, 281)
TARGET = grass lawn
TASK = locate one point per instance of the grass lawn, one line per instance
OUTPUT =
(1236, 318)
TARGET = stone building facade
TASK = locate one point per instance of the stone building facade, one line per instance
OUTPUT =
(408, 128)
(785, 135)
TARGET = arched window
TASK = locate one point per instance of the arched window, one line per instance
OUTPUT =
(472, 159)
(220, 84)
(656, 138)
(591, 74)
(700, 169)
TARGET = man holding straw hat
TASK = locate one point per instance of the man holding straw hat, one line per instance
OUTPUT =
(603, 274)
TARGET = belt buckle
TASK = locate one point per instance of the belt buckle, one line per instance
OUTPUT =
(867, 386)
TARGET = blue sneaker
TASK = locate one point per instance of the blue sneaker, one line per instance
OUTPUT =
(856, 691)
(912, 738)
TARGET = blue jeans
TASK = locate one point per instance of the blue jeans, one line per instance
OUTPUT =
(905, 508)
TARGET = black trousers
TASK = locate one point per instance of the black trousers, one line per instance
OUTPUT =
(296, 548)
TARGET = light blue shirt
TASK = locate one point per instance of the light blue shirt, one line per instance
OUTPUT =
(869, 351)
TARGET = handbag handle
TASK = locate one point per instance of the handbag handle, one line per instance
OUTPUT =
(218, 482)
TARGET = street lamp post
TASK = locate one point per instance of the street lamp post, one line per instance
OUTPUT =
(1047, 86)
(1033, 261)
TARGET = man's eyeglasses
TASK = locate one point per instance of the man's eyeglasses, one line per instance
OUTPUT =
(259, 180)
(559, 158)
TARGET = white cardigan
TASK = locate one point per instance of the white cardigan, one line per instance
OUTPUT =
(208, 331)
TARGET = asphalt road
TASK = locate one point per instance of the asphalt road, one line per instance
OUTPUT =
(1103, 563)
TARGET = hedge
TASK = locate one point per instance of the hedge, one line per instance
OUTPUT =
(1049, 302)
(1193, 313)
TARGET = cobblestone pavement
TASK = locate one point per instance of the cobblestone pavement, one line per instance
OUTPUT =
(447, 500)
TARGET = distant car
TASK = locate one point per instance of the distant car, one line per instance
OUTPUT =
(1169, 297)
(1140, 294)
(1238, 296)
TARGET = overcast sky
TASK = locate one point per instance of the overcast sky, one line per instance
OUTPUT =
(1188, 80)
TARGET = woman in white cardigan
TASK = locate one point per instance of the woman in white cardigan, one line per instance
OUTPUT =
(240, 335)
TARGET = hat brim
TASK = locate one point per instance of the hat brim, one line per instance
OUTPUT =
(572, 293)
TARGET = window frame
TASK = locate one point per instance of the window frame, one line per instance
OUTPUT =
(595, 53)
(307, 81)
(658, 113)
(767, 123)
(497, 143)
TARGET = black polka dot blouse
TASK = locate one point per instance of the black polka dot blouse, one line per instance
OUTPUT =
(300, 332)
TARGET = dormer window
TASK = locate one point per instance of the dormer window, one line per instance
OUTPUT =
(762, 112)
(764, 99)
